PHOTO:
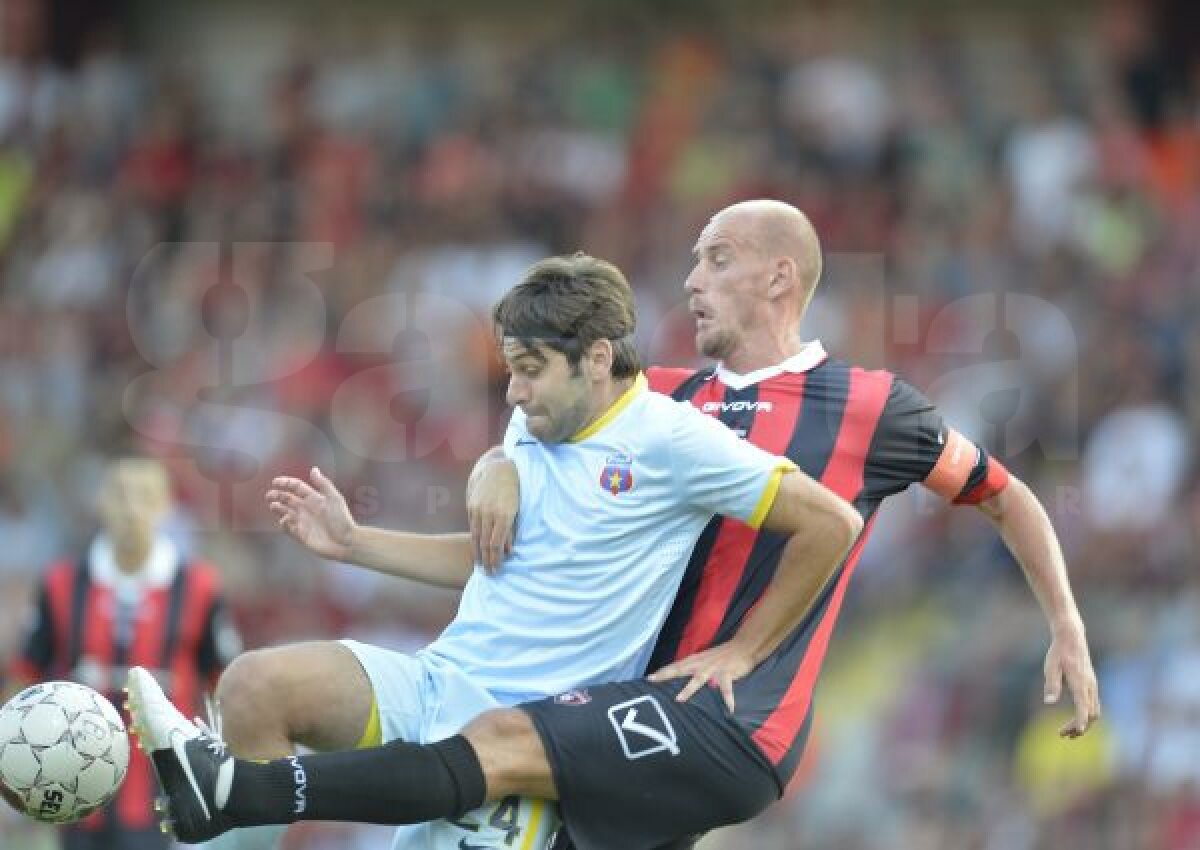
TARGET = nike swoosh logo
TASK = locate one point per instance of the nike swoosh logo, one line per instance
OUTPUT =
(179, 746)
(224, 784)
(519, 443)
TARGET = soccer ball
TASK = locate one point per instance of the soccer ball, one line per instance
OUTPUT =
(63, 751)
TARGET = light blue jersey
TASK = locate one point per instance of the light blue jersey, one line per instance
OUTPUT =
(606, 525)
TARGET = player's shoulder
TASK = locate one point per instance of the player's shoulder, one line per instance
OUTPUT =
(835, 368)
(668, 379)
(664, 404)
(60, 578)
(62, 569)
(200, 567)
(903, 397)
(900, 393)
(664, 419)
(655, 418)
(201, 574)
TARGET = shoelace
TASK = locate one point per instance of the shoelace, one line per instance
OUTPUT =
(211, 729)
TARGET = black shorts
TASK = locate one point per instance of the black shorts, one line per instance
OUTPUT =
(636, 770)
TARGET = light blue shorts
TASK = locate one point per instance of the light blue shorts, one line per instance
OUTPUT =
(422, 700)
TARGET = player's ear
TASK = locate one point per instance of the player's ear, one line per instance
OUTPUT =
(783, 278)
(599, 358)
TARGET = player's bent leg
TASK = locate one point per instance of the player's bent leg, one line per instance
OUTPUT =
(311, 694)
(315, 694)
(209, 792)
(637, 770)
(513, 763)
(511, 753)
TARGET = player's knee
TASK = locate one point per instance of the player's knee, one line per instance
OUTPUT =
(248, 693)
(500, 726)
(737, 802)
(314, 693)
(511, 754)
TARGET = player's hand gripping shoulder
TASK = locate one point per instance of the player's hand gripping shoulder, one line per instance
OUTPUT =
(493, 497)
(315, 514)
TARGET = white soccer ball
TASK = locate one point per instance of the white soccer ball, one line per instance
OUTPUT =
(63, 751)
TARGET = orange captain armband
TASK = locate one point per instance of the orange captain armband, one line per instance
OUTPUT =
(964, 473)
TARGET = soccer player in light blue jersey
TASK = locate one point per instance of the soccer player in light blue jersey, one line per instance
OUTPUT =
(616, 485)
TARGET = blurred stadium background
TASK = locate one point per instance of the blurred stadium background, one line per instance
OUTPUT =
(247, 237)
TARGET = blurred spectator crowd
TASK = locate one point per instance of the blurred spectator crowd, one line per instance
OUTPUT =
(276, 245)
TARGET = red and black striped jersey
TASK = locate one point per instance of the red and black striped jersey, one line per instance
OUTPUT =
(864, 434)
(87, 630)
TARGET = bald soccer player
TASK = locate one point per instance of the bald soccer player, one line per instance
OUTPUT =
(651, 763)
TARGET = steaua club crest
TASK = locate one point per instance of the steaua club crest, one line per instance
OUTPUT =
(617, 476)
(579, 696)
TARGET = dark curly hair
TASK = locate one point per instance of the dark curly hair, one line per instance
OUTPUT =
(567, 303)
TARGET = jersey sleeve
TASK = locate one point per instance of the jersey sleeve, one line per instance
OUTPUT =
(38, 649)
(907, 443)
(913, 444)
(721, 473)
(965, 474)
(220, 642)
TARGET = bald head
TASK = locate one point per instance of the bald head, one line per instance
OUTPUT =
(776, 229)
(757, 264)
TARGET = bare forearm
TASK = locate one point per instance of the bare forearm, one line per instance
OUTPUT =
(1029, 536)
(825, 528)
(1026, 530)
(441, 559)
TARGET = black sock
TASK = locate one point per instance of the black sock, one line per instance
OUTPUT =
(395, 784)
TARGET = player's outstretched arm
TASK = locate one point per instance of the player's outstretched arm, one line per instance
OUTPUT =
(964, 474)
(822, 528)
(1029, 536)
(315, 513)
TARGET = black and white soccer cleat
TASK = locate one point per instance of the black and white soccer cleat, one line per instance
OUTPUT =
(192, 763)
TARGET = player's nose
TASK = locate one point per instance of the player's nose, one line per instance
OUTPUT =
(518, 391)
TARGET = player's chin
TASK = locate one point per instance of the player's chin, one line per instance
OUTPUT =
(710, 343)
(539, 427)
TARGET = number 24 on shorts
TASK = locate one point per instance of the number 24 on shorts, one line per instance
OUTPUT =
(514, 822)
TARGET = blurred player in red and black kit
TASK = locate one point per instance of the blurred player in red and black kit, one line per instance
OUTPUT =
(131, 599)
(714, 735)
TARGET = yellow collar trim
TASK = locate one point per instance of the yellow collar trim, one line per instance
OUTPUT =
(639, 386)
